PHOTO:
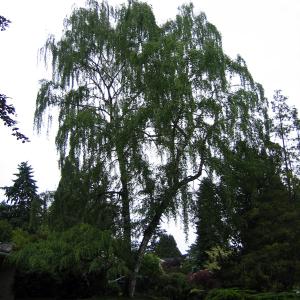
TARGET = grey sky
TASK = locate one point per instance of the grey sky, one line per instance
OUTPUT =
(266, 33)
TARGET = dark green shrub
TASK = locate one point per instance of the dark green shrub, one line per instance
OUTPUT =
(5, 231)
(79, 261)
(175, 286)
(150, 265)
(21, 238)
(150, 273)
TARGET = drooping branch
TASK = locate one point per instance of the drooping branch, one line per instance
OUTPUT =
(6, 113)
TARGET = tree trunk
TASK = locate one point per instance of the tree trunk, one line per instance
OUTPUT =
(126, 215)
(286, 161)
(165, 201)
(146, 238)
(166, 198)
(126, 218)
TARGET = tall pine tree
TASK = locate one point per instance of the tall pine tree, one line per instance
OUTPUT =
(23, 198)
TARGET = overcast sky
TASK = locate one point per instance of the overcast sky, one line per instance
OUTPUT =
(266, 33)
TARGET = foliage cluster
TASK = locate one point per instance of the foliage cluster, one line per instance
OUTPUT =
(83, 254)
(5, 231)
(202, 278)
(254, 225)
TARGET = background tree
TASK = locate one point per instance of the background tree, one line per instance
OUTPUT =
(225, 200)
(268, 259)
(261, 224)
(23, 198)
(46, 200)
(286, 129)
(166, 246)
(152, 106)
(212, 228)
(79, 199)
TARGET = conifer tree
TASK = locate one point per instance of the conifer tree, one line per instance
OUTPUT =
(166, 246)
(23, 198)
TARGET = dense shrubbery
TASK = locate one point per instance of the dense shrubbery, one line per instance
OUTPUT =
(151, 265)
(150, 273)
(5, 231)
(174, 286)
(79, 261)
(202, 278)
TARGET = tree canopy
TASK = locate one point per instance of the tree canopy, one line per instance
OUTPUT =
(152, 107)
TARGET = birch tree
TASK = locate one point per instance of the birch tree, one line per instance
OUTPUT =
(154, 106)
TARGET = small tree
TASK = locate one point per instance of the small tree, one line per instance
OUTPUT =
(23, 197)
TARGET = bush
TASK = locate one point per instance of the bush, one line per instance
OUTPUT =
(202, 278)
(150, 273)
(21, 238)
(175, 286)
(78, 261)
(150, 265)
(5, 231)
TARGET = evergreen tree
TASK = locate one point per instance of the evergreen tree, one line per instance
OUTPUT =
(212, 228)
(166, 246)
(23, 198)
(126, 87)
(222, 206)
(269, 259)
(259, 224)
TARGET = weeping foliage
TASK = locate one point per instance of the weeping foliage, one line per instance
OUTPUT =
(80, 250)
(80, 198)
(153, 106)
